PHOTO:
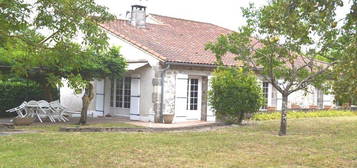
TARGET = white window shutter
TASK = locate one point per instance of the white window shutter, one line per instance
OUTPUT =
(99, 97)
(181, 95)
(210, 110)
(135, 99)
(274, 97)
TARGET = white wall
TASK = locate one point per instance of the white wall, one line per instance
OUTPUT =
(302, 98)
(130, 52)
(73, 101)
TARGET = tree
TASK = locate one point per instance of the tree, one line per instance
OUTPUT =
(97, 66)
(33, 34)
(281, 41)
(48, 40)
(345, 71)
(234, 93)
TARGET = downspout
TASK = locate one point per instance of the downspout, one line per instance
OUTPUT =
(162, 92)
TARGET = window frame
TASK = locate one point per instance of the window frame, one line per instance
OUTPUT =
(192, 100)
(265, 91)
(120, 93)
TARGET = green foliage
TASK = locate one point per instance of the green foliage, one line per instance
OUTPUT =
(281, 42)
(234, 93)
(301, 114)
(40, 39)
(95, 65)
(345, 71)
(50, 40)
(14, 93)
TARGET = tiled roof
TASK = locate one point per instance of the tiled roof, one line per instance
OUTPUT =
(175, 40)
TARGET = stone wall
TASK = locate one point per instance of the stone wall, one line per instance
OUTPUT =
(170, 86)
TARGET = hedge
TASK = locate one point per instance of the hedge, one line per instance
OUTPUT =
(301, 114)
(12, 94)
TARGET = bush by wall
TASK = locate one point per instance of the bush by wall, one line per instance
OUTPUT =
(12, 94)
(235, 93)
(301, 114)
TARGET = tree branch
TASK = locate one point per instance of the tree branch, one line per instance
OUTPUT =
(305, 81)
(49, 37)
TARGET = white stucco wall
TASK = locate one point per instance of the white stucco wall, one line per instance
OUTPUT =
(302, 98)
(72, 101)
(130, 52)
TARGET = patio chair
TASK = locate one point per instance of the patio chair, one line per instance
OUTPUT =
(45, 107)
(39, 109)
(60, 111)
(19, 110)
(32, 109)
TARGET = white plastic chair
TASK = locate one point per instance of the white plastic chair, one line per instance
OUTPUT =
(33, 109)
(59, 110)
(46, 109)
(19, 110)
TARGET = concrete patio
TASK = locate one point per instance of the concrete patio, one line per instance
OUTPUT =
(126, 120)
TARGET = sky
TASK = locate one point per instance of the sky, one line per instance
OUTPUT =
(225, 13)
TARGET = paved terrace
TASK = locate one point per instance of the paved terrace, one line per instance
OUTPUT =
(120, 120)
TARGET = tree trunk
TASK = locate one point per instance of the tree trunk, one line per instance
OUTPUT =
(283, 122)
(48, 91)
(241, 117)
(86, 100)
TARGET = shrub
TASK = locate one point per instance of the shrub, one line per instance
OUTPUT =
(234, 93)
(301, 114)
(14, 93)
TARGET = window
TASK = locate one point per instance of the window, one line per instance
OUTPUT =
(126, 95)
(120, 93)
(320, 98)
(192, 94)
(265, 95)
(112, 93)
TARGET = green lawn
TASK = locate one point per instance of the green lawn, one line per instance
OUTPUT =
(318, 142)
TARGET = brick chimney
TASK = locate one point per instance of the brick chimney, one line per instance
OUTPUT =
(138, 16)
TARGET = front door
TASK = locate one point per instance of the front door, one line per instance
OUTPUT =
(194, 96)
(120, 96)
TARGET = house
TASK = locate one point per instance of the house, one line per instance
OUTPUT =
(169, 71)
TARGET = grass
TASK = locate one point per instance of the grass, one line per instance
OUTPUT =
(303, 114)
(317, 142)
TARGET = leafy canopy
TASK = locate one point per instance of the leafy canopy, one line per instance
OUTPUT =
(345, 71)
(47, 40)
(281, 41)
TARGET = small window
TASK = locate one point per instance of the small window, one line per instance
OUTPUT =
(265, 95)
(192, 94)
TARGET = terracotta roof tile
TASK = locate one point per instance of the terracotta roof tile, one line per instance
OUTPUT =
(175, 40)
